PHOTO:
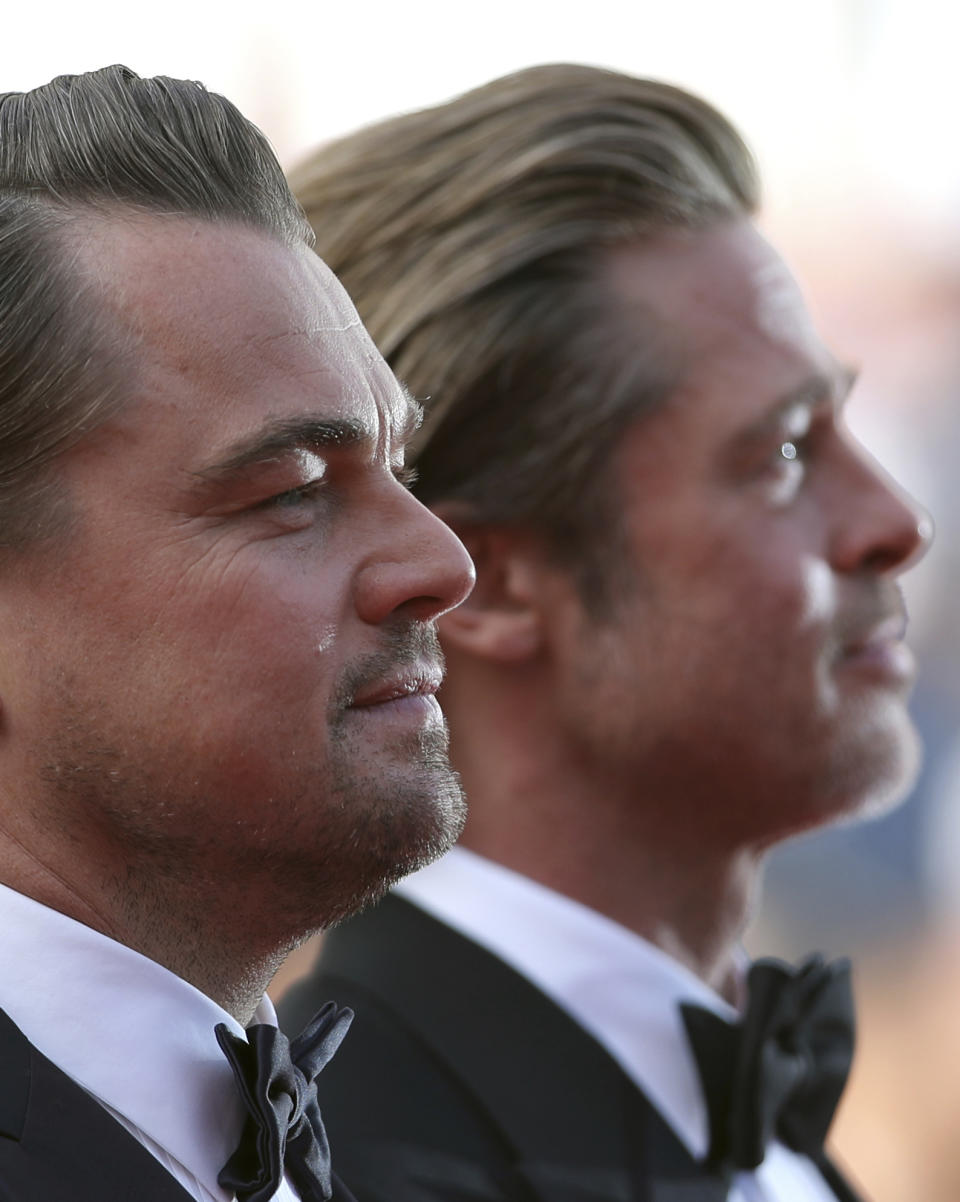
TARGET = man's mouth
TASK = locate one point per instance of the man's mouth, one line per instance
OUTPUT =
(887, 632)
(414, 680)
(880, 651)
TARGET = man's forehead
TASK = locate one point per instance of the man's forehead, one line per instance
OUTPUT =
(778, 302)
(169, 269)
(339, 312)
(248, 333)
(727, 302)
(216, 295)
(729, 271)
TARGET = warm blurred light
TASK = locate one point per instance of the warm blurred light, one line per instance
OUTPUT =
(836, 95)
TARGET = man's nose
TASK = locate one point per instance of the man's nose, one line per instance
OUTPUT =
(421, 573)
(880, 527)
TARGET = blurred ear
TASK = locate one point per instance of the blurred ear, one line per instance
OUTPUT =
(501, 619)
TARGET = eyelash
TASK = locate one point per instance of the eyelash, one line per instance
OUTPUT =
(406, 476)
(296, 496)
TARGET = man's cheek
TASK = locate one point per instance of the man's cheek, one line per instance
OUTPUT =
(816, 595)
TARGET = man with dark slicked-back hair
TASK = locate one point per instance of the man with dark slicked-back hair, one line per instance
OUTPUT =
(218, 732)
(685, 644)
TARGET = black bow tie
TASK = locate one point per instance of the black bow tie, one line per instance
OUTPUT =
(283, 1129)
(780, 1071)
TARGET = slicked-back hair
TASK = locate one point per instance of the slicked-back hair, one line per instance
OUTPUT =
(472, 237)
(100, 143)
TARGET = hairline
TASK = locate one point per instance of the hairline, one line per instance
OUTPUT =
(113, 341)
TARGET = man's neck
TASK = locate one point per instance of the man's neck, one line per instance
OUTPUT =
(694, 917)
(634, 859)
(189, 940)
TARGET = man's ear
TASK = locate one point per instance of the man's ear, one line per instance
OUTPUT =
(501, 619)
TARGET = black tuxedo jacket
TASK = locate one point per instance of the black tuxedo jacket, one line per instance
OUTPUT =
(57, 1144)
(461, 1082)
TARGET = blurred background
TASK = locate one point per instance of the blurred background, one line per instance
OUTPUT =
(851, 107)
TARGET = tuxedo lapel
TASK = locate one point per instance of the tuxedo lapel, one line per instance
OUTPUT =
(58, 1142)
(678, 1183)
(589, 1133)
(416, 965)
(580, 1131)
(672, 1174)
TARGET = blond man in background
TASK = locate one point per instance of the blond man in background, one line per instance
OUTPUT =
(685, 645)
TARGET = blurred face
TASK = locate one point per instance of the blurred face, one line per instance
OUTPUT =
(755, 667)
(228, 669)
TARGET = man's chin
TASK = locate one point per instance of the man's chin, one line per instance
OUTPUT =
(884, 769)
(413, 832)
(433, 839)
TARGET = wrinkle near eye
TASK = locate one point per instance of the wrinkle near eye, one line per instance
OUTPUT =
(227, 566)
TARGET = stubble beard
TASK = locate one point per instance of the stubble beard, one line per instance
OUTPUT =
(400, 821)
(875, 775)
(332, 841)
(379, 844)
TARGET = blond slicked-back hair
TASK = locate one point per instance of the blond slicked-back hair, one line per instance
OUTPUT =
(472, 237)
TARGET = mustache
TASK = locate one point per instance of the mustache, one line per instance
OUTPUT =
(403, 646)
(881, 604)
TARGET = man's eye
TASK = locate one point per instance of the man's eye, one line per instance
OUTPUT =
(295, 496)
(791, 453)
(787, 469)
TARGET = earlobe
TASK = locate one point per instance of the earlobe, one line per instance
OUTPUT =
(501, 619)
(508, 637)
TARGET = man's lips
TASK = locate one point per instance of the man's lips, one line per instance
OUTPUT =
(887, 632)
(419, 680)
(881, 652)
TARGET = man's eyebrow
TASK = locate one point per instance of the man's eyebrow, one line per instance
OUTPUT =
(412, 418)
(285, 436)
(819, 391)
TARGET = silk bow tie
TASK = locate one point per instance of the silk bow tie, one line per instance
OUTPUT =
(780, 1071)
(283, 1128)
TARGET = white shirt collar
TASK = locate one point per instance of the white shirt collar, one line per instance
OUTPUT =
(129, 1031)
(619, 987)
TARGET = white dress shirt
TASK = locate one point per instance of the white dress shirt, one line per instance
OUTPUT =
(137, 1038)
(617, 986)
